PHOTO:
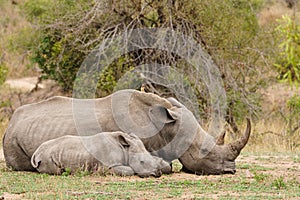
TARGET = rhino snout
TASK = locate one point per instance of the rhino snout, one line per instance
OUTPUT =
(157, 173)
(166, 169)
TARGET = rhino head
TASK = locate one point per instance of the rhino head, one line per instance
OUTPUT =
(219, 160)
(141, 161)
(182, 137)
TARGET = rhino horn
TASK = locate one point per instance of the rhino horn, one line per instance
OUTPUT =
(220, 140)
(236, 146)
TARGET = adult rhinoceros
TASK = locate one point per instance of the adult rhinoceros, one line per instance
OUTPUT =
(166, 127)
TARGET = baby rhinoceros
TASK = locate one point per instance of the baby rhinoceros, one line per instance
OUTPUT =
(122, 153)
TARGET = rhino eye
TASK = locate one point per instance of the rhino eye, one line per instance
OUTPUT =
(204, 151)
(142, 162)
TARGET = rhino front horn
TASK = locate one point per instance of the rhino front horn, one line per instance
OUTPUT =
(236, 146)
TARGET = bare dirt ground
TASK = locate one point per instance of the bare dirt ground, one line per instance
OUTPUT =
(17, 92)
(24, 84)
(277, 166)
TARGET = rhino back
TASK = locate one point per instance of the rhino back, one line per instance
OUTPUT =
(78, 153)
(33, 124)
(105, 148)
(54, 156)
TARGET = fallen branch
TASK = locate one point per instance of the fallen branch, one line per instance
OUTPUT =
(84, 193)
(271, 132)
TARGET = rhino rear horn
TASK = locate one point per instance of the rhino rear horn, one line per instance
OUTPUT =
(220, 140)
(236, 146)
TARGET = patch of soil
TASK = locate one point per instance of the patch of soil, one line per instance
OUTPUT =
(276, 166)
(18, 92)
(27, 84)
(7, 196)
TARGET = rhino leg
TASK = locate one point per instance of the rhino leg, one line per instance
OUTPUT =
(123, 170)
(184, 169)
(16, 158)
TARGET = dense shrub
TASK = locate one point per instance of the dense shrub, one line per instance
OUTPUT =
(288, 61)
(228, 30)
(3, 73)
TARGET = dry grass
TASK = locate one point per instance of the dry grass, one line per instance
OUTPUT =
(12, 52)
(274, 10)
(3, 125)
(268, 136)
(4, 115)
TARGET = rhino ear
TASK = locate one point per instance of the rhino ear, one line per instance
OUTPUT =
(162, 114)
(124, 141)
(35, 162)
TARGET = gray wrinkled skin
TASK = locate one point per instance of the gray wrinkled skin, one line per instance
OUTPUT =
(123, 154)
(180, 136)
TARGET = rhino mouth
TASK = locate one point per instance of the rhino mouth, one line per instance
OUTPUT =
(229, 171)
(155, 174)
(215, 173)
(210, 172)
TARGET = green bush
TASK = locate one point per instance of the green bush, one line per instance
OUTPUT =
(37, 8)
(294, 104)
(293, 123)
(3, 73)
(288, 62)
(56, 53)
